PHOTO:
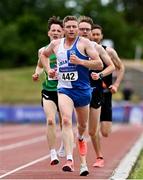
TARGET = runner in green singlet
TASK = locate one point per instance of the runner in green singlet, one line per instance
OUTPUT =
(49, 98)
(50, 85)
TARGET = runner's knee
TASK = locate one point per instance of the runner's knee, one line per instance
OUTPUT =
(66, 122)
(82, 127)
(105, 133)
(92, 133)
(51, 122)
(105, 130)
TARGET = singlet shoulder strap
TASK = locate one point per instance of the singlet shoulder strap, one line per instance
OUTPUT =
(104, 47)
(61, 46)
(75, 42)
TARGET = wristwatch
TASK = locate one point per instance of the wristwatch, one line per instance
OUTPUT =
(100, 76)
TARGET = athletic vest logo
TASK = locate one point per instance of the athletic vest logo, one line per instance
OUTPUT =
(62, 58)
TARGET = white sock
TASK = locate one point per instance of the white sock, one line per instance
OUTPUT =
(53, 151)
(69, 157)
(80, 137)
(62, 145)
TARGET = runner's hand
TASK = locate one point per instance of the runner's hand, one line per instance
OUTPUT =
(35, 77)
(52, 73)
(95, 76)
(74, 59)
(113, 89)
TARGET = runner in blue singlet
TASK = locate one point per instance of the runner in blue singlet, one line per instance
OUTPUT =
(73, 62)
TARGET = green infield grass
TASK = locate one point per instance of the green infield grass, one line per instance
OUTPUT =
(17, 86)
(137, 171)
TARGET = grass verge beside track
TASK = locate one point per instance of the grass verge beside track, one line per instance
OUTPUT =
(17, 87)
(137, 171)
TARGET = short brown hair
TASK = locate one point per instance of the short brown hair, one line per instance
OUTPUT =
(55, 20)
(85, 19)
(97, 26)
(69, 18)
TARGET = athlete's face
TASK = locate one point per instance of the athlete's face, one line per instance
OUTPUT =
(85, 30)
(71, 29)
(55, 32)
(97, 35)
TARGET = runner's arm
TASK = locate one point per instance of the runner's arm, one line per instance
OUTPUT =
(106, 59)
(120, 68)
(94, 62)
(39, 67)
(44, 57)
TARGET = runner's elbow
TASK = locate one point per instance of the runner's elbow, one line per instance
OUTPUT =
(99, 65)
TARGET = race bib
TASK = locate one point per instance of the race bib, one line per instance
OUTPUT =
(68, 73)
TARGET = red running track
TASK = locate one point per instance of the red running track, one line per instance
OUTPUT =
(24, 153)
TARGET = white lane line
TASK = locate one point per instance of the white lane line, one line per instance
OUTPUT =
(126, 164)
(25, 166)
(23, 143)
(39, 160)
(32, 141)
(19, 134)
(12, 128)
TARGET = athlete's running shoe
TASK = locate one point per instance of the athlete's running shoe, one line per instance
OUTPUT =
(69, 166)
(54, 159)
(99, 162)
(82, 147)
(83, 170)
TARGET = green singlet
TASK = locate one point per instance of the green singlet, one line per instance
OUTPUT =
(50, 85)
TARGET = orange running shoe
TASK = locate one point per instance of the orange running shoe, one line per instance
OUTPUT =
(82, 147)
(69, 166)
(99, 162)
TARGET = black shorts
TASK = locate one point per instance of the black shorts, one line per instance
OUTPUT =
(106, 108)
(49, 95)
(97, 98)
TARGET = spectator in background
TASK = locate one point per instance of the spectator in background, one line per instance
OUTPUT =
(127, 91)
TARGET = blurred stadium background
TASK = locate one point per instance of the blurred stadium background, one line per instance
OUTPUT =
(23, 29)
